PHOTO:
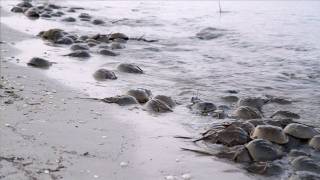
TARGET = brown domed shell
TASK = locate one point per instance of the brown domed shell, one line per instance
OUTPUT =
(246, 112)
(300, 131)
(272, 133)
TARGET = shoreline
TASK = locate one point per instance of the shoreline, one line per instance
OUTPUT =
(92, 141)
(55, 124)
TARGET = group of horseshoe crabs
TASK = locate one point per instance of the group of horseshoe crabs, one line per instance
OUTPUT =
(262, 145)
(144, 97)
(266, 146)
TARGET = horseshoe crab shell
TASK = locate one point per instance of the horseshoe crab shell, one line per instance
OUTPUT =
(255, 102)
(130, 68)
(121, 100)
(272, 133)
(247, 126)
(140, 94)
(265, 168)
(263, 150)
(79, 54)
(166, 99)
(39, 63)
(300, 131)
(285, 114)
(202, 107)
(104, 74)
(304, 163)
(246, 112)
(156, 105)
(118, 36)
(52, 34)
(232, 136)
(315, 142)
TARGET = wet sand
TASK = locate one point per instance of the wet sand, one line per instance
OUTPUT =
(49, 132)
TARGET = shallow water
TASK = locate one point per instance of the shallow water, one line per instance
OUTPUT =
(265, 48)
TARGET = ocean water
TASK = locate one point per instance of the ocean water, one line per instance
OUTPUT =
(265, 48)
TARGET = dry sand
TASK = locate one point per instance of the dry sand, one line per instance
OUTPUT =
(48, 132)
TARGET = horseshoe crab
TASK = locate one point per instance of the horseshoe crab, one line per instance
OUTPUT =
(236, 153)
(286, 114)
(104, 74)
(272, 133)
(247, 126)
(304, 163)
(107, 52)
(130, 68)
(69, 19)
(45, 15)
(52, 34)
(242, 156)
(84, 15)
(79, 54)
(232, 136)
(64, 40)
(278, 100)
(253, 102)
(17, 9)
(315, 142)
(58, 14)
(98, 22)
(101, 38)
(32, 13)
(265, 168)
(202, 107)
(166, 99)
(25, 4)
(246, 112)
(39, 63)
(122, 100)
(79, 47)
(118, 36)
(156, 105)
(263, 150)
(230, 98)
(300, 131)
(142, 95)
(210, 33)
(54, 6)
(71, 10)
(212, 133)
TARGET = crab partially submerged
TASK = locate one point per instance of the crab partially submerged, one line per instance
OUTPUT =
(39, 63)
(130, 68)
(142, 95)
(202, 107)
(158, 106)
(246, 112)
(300, 131)
(122, 100)
(104, 74)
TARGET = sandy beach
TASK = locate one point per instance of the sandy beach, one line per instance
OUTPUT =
(48, 132)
